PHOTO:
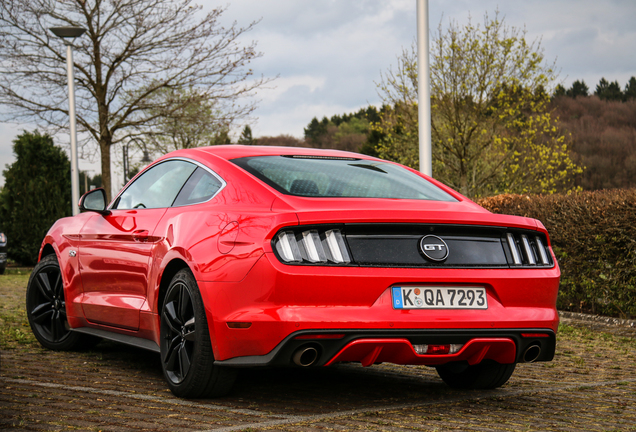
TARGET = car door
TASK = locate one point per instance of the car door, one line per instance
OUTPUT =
(116, 249)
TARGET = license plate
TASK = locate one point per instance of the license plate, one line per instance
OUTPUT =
(439, 298)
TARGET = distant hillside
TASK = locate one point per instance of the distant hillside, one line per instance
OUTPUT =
(603, 139)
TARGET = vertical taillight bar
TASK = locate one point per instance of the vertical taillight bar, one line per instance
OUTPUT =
(513, 249)
(542, 251)
(528, 249)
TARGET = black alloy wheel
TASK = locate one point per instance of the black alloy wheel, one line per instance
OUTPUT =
(46, 307)
(186, 352)
(178, 322)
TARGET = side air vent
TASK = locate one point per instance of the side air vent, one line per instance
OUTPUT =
(527, 250)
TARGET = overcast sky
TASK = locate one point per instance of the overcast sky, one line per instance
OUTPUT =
(329, 54)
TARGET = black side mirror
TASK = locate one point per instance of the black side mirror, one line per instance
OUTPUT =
(94, 200)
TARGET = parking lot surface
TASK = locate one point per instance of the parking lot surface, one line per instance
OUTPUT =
(591, 385)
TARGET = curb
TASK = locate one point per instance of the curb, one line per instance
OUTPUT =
(598, 319)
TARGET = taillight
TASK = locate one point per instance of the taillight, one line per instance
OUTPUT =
(528, 250)
(314, 246)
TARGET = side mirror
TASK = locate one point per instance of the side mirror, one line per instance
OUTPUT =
(94, 200)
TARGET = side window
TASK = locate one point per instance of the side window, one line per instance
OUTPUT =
(200, 187)
(157, 187)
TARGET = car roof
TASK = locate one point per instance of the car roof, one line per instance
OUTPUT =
(238, 151)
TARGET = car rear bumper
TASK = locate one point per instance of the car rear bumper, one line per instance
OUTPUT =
(396, 346)
(277, 303)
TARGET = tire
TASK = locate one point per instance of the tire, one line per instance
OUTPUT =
(46, 308)
(485, 375)
(187, 359)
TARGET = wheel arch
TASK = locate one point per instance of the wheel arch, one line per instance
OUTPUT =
(47, 249)
(173, 267)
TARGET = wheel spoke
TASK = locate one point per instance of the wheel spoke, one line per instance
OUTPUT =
(58, 288)
(189, 334)
(171, 353)
(60, 330)
(41, 312)
(53, 327)
(171, 317)
(184, 361)
(184, 303)
(45, 286)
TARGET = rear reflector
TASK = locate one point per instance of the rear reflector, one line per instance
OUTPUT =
(321, 336)
(534, 335)
(239, 325)
(437, 349)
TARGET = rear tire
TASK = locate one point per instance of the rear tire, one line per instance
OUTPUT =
(187, 359)
(485, 375)
(46, 309)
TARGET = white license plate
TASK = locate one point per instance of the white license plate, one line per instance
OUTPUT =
(439, 298)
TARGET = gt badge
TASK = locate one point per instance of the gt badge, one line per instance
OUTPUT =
(434, 248)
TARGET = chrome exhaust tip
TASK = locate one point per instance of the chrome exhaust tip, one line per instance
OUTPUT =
(531, 353)
(305, 356)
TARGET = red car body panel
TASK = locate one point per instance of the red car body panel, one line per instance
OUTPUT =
(114, 267)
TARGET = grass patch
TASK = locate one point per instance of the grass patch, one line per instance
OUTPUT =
(15, 331)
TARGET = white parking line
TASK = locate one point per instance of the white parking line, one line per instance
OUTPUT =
(338, 414)
(147, 397)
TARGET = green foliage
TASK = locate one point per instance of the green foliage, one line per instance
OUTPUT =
(37, 192)
(491, 129)
(349, 131)
(579, 88)
(559, 90)
(246, 136)
(630, 89)
(592, 235)
(608, 91)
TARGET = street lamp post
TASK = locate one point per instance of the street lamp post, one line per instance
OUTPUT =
(71, 33)
(423, 90)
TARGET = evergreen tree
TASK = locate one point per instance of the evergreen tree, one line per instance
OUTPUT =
(246, 136)
(608, 91)
(579, 88)
(37, 192)
(315, 129)
(630, 89)
(559, 90)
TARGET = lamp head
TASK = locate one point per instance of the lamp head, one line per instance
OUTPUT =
(67, 32)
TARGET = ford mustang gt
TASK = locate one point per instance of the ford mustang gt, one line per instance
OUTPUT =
(227, 257)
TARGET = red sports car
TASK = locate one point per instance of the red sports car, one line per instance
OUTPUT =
(227, 257)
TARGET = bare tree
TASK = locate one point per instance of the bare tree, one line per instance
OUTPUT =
(132, 49)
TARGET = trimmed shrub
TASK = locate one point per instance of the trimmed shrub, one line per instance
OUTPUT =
(593, 235)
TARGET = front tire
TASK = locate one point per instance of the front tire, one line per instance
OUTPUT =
(187, 359)
(485, 375)
(46, 307)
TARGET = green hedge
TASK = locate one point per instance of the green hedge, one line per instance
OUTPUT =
(593, 235)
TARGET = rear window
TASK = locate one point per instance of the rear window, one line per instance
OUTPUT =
(317, 176)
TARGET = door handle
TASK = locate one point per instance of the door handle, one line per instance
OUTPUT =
(140, 235)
